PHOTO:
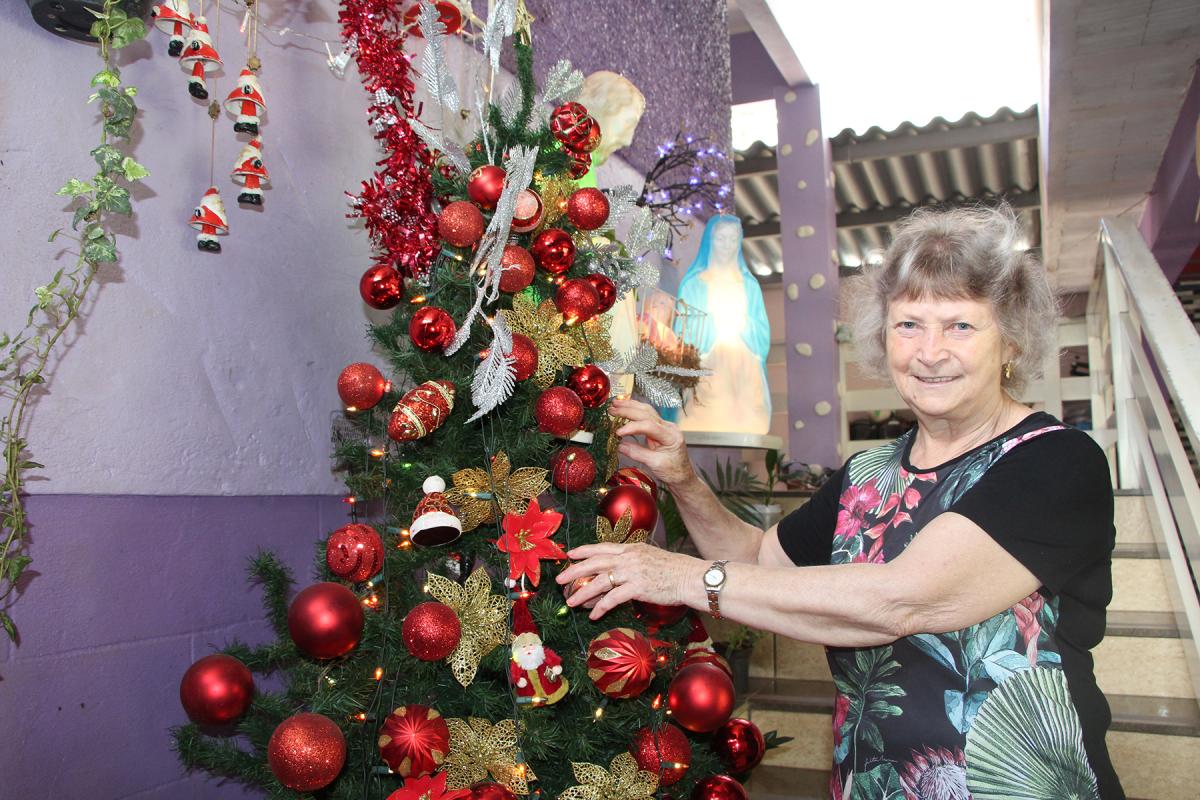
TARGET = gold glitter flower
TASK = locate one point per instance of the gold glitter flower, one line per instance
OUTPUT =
(622, 781)
(557, 347)
(480, 497)
(479, 749)
(482, 616)
(594, 337)
(621, 534)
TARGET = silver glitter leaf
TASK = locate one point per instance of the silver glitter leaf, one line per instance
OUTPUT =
(438, 78)
(659, 391)
(683, 372)
(464, 329)
(495, 377)
(519, 172)
(500, 24)
(563, 83)
(622, 201)
(451, 150)
(510, 105)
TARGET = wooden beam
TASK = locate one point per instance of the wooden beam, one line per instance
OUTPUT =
(766, 28)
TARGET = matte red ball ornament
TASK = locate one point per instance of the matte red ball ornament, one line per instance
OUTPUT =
(414, 740)
(381, 287)
(216, 690)
(621, 662)
(553, 250)
(577, 130)
(516, 269)
(325, 620)
(587, 208)
(572, 469)
(361, 386)
(591, 384)
(719, 787)
(558, 411)
(525, 356)
(485, 186)
(486, 790)
(701, 697)
(740, 744)
(431, 328)
(632, 476)
(605, 288)
(639, 502)
(577, 300)
(306, 752)
(657, 616)
(528, 211)
(461, 224)
(666, 752)
(354, 552)
(431, 631)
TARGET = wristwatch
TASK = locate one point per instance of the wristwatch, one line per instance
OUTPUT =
(714, 582)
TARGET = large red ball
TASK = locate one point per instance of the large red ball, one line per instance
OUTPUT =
(701, 697)
(553, 250)
(486, 790)
(525, 356)
(643, 510)
(361, 386)
(587, 208)
(605, 288)
(325, 620)
(558, 411)
(516, 269)
(666, 752)
(621, 662)
(431, 328)
(381, 287)
(740, 744)
(485, 186)
(577, 300)
(354, 552)
(632, 476)
(460, 224)
(306, 752)
(216, 690)
(572, 469)
(719, 787)
(431, 631)
(591, 384)
(414, 740)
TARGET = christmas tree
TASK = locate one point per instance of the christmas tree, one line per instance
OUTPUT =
(437, 657)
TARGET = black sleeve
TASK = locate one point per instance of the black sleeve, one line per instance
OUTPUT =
(806, 534)
(1049, 503)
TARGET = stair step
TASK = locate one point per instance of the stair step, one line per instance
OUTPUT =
(1152, 624)
(1136, 550)
(1131, 519)
(771, 782)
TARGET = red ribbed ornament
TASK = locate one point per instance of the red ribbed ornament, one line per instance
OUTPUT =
(325, 620)
(665, 752)
(591, 384)
(621, 662)
(414, 740)
(361, 386)
(701, 698)
(577, 130)
(558, 411)
(381, 287)
(553, 250)
(306, 752)
(516, 269)
(354, 552)
(431, 631)
(572, 469)
(216, 690)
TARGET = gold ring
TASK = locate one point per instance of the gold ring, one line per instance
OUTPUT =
(611, 581)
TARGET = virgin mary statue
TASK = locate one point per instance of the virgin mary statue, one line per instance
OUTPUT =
(734, 343)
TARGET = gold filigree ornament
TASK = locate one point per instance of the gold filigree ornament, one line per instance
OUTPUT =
(482, 616)
(611, 453)
(480, 497)
(557, 345)
(479, 749)
(623, 780)
(621, 534)
(595, 337)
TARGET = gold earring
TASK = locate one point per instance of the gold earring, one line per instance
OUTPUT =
(1008, 370)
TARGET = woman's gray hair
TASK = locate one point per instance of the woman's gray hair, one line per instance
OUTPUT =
(974, 253)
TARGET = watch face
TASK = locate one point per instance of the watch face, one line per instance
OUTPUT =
(713, 577)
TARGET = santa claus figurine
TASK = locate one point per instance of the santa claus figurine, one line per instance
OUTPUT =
(250, 173)
(535, 670)
(200, 57)
(173, 18)
(209, 218)
(247, 103)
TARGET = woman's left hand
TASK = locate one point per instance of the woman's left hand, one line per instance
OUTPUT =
(622, 572)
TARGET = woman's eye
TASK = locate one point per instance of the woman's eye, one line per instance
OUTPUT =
(961, 326)
(907, 325)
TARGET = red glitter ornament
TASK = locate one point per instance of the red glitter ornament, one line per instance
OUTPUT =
(558, 411)
(587, 208)
(525, 356)
(354, 552)
(461, 224)
(485, 186)
(666, 752)
(638, 501)
(216, 690)
(553, 250)
(486, 790)
(740, 744)
(657, 616)
(528, 212)
(578, 164)
(577, 300)
(577, 130)
(632, 476)
(381, 287)
(306, 752)
(605, 288)
(421, 411)
(701, 697)
(719, 787)
(431, 631)
(621, 662)
(591, 384)
(516, 269)
(414, 739)
(361, 386)
(325, 620)
(572, 469)
(431, 328)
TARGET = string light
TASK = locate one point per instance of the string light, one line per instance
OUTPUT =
(418, 299)
(376, 452)
(378, 673)
(657, 703)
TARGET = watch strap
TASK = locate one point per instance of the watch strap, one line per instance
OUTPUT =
(714, 592)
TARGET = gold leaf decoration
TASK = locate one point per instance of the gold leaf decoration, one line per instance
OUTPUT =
(479, 749)
(595, 337)
(554, 192)
(480, 497)
(611, 454)
(621, 534)
(482, 616)
(623, 780)
(557, 348)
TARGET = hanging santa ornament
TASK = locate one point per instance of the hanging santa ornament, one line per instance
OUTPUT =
(666, 752)
(414, 740)
(461, 224)
(434, 521)
(574, 128)
(516, 269)
(361, 386)
(381, 287)
(535, 670)
(553, 250)
(249, 171)
(209, 219)
(528, 212)
(306, 752)
(525, 356)
(558, 411)
(485, 185)
(620, 662)
(199, 57)
(174, 18)
(354, 552)
(591, 384)
(587, 208)
(421, 411)
(216, 690)
(577, 300)
(431, 631)
(246, 103)
(325, 620)
(605, 289)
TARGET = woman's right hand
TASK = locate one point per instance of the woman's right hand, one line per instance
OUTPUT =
(664, 453)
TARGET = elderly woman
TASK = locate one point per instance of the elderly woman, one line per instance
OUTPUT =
(958, 576)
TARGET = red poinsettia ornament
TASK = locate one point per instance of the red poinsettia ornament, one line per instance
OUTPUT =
(527, 541)
(432, 787)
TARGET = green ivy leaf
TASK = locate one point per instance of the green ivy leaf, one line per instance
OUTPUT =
(128, 32)
(130, 91)
(82, 213)
(99, 27)
(100, 251)
(115, 16)
(14, 566)
(108, 157)
(107, 77)
(94, 232)
(4, 340)
(44, 296)
(53, 235)
(76, 187)
(5, 619)
(118, 127)
(117, 201)
(133, 170)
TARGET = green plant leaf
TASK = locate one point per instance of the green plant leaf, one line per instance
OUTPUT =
(82, 213)
(107, 77)
(133, 170)
(14, 566)
(31, 465)
(44, 296)
(100, 251)
(5, 619)
(53, 235)
(128, 32)
(130, 91)
(76, 187)
(115, 16)
(94, 232)
(116, 200)
(108, 157)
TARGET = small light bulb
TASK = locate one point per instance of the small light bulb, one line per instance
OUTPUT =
(598, 714)
(418, 299)
(378, 673)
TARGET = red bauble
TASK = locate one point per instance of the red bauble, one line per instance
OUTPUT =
(525, 356)
(643, 509)
(719, 787)
(706, 655)
(528, 212)
(591, 384)
(700, 697)
(657, 616)
(448, 15)
(516, 269)
(577, 130)
(632, 476)
(572, 469)
(486, 790)
(621, 662)
(431, 328)
(587, 208)
(553, 250)
(461, 224)
(216, 690)
(485, 186)
(558, 411)
(414, 740)
(361, 386)
(354, 552)
(740, 744)
(306, 752)
(577, 300)
(665, 752)
(421, 411)
(431, 631)
(605, 288)
(325, 620)
(381, 287)
(578, 164)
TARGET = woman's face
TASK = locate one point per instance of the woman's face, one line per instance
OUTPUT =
(945, 356)
(725, 242)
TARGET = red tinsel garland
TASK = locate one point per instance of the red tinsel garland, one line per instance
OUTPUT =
(395, 202)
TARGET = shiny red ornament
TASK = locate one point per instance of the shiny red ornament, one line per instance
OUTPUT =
(639, 502)
(587, 208)
(701, 697)
(621, 662)
(528, 211)
(657, 616)
(216, 690)
(354, 552)
(558, 411)
(578, 131)
(709, 656)
(414, 739)
(605, 288)
(306, 752)
(361, 386)
(719, 787)
(486, 790)
(516, 269)
(577, 300)
(572, 469)
(591, 384)
(578, 164)
(431, 328)
(421, 411)
(632, 476)
(381, 287)
(325, 620)
(485, 186)
(448, 15)
(666, 752)
(740, 744)
(553, 250)
(525, 356)
(431, 631)
(461, 224)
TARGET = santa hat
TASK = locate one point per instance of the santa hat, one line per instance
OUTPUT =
(434, 521)
(247, 90)
(524, 628)
(210, 212)
(199, 48)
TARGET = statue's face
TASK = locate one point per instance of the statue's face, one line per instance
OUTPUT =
(725, 242)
